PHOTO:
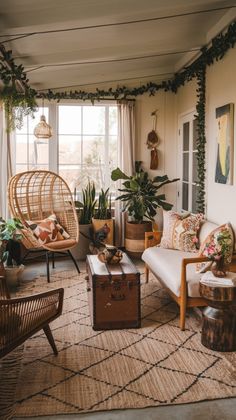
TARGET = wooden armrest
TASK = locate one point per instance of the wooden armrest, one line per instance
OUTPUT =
(194, 260)
(152, 238)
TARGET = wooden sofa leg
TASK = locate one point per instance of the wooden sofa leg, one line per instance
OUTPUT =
(182, 312)
(50, 338)
(146, 273)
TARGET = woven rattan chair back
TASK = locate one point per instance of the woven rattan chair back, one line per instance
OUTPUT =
(35, 195)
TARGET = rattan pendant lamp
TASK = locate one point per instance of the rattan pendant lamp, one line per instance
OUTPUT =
(43, 130)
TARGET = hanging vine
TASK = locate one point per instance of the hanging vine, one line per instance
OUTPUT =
(201, 138)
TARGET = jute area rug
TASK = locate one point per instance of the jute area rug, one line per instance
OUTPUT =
(157, 364)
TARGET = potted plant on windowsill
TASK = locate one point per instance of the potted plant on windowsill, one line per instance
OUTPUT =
(85, 212)
(10, 255)
(102, 215)
(140, 198)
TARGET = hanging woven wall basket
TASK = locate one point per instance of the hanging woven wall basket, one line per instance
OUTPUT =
(152, 142)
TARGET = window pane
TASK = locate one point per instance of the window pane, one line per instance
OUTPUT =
(21, 168)
(38, 151)
(186, 136)
(34, 121)
(21, 148)
(113, 126)
(185, 166)
(185, 196)
(95, 174)
(69, 149)
(69, 119)
(195, 177)
(24, 128)
(72, 175)
(113, 152)
(94, 119)
(93, 150)
(195, 134)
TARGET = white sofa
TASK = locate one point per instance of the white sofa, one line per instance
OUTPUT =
(176, 270)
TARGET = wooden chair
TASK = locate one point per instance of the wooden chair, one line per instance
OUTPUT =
(34, 196)
(20, 318)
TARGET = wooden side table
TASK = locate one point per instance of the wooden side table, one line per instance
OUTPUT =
(219, 318)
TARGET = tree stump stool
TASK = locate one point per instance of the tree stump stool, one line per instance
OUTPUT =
(219, 318)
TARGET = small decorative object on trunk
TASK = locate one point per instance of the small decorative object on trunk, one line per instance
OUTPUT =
(110, 255)
(153, 141)
(219, 249)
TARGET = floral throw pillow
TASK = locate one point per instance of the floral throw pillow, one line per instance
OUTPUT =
(219, 243)
(181, 232)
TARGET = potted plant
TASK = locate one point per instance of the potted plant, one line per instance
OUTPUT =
(10, 255)
(102, 215)
(140, 198)
(85, 211)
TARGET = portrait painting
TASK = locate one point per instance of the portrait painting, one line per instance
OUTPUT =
(225, 144)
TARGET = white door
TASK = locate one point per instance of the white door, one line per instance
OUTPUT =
(187, 166)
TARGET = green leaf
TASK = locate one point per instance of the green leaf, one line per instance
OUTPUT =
(118, 174)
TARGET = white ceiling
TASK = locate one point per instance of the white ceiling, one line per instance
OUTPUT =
(48, 58)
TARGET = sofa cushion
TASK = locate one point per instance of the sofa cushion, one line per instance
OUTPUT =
(166, 266)
(206, 228)
(181, 232)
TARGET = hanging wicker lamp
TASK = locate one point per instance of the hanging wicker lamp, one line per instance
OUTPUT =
(43, 130)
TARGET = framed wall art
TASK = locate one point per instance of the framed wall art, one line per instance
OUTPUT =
(225, 144)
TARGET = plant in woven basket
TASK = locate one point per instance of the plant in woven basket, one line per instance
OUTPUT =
(139, 193)
(10, 237)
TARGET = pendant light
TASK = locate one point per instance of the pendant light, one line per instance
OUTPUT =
(42, 129)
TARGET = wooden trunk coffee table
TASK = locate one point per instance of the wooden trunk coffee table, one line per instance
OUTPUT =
(219, 318)
(113, 294)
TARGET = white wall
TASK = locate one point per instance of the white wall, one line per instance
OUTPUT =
(164, 102)
(221, 89)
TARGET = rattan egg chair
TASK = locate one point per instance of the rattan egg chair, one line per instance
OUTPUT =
(36, 195)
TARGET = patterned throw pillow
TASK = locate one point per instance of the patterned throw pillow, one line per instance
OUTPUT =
(213, 246)
(48, 230)
(181, 231)
(60, 228)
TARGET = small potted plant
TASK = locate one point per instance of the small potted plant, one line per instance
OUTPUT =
(85, 211)
(140, 198)
(10, 255)
(102, 215)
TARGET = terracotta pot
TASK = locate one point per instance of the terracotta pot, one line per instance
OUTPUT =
(81, 250)
(99, 223)
(135, 237)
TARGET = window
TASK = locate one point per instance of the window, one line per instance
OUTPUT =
(87, 144)
(31, 153)
(188, 151)
(84, 145)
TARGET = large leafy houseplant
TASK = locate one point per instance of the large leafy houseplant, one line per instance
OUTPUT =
(140, 193)
(9, 242)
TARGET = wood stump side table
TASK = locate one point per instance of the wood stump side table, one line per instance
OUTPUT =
(219, 318)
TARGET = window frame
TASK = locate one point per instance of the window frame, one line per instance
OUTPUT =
(53, 113)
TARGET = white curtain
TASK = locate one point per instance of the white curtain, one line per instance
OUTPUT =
(126, 157)
(5, 164)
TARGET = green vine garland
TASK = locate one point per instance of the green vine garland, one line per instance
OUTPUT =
(17, 104)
